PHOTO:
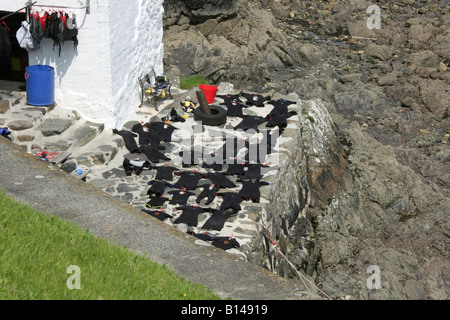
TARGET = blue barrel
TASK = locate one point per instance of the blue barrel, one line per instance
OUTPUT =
(40, 83)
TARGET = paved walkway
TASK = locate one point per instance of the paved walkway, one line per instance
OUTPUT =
(45, 187)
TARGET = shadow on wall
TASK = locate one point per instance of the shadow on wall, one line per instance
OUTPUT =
(50, 54)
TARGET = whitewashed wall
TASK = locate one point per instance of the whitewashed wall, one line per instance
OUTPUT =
(119, 41)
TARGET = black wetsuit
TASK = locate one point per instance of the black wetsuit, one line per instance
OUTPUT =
(208, 192)
(158, 214)
(205, 236)
(180, 197)
(220, 180)
(217, 219)
(163, 131)
(255, 99)
(229, 98)
(250, 189)
(189, 215)
(145, 137)
(225, 243)
(188, 179)
(156, 202)
(153, 154)
(280, 106)
(231, 200)
(279, 120)
(250, 122)
(128, 138)
(157, 187)
(165, 173)
(236, 168)
(234, 108)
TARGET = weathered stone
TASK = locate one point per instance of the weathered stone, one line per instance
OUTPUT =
(25, 138)
(19, 125)
(54, 126)
(4, 106)
(84, 135)
(379, 52)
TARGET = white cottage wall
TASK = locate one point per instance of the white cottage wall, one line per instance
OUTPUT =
(119, 41)
(136, 31)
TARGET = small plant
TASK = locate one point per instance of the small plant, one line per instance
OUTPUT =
(193, 81)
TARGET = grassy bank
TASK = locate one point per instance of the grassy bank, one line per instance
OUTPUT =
(37, 250)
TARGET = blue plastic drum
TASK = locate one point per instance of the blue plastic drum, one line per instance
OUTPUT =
(40, 83)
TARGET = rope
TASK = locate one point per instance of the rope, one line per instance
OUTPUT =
(302, 277)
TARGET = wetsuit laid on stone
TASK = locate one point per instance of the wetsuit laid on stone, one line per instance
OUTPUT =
(217, 219)
(280, 120)
(250, 122)
(231, 200)
(145, 137)
(225, 243)
(255, 99)
(188, 179)
(190, 215)
(250, 189)
(153, 153)
(158, 187)
(163, 131)
(156, 202)
(208, 192)
(234, 108)
(165, 172)
(180, 197)
(220, 180)
(129, 139)
(280, 106)
(137, 166)
(237, 168)
(158, 214)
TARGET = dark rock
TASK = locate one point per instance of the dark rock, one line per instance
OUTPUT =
(54, 126)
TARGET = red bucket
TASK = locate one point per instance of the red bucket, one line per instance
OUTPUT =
(210, 92)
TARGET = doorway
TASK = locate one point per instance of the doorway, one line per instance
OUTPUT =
(13, 58)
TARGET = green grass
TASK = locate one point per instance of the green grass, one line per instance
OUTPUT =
(193, 81)
(36, 250)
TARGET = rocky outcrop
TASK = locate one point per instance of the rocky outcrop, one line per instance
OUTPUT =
(365, 182)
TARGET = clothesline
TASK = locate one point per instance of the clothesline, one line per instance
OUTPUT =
(87, 6)
(12, 13)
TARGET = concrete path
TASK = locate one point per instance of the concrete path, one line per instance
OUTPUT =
(45, 187)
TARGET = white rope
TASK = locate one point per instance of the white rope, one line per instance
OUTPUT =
(302, 277)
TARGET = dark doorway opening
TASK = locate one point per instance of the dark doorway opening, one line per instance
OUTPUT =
(13, 58)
